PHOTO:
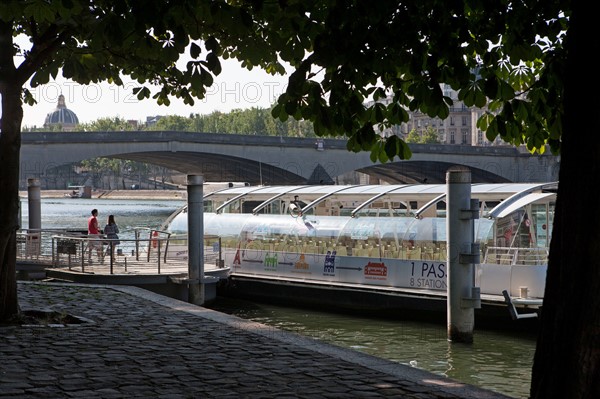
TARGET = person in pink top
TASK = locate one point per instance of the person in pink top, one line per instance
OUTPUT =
(94, 231)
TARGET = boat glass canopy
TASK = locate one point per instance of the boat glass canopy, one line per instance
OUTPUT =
(512, 215)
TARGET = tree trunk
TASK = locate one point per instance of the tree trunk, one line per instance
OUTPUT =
(10, 150)
(567, 357)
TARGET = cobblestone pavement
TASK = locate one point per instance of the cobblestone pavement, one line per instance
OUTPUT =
(133, 343)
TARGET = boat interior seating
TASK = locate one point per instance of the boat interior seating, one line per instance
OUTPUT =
(426, 250)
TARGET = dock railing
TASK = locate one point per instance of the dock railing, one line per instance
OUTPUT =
(35, 245)
(149, 252)
(516, 256)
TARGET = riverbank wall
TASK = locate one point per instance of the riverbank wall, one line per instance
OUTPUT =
(119, 194)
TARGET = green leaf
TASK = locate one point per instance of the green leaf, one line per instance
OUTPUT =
(392, 146)
(142, 93)
(505, 91)
(290, 107)
(379, 113)
(382, 157)
(492, 131)
(213, 63)
(443, 112)
(374, 155)
(195, 50)
(211, 44)
(491, 87)
(405, 152)
(28, 97)
(480, 99)
(40, 78)
(196, 80)
(520, 109)
(40, 12)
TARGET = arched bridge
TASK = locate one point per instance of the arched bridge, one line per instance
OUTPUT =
(274, 160)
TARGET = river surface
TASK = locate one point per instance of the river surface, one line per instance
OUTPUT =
(499, 361)
(73, 213)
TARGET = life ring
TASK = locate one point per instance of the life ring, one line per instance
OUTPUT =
(154, 239)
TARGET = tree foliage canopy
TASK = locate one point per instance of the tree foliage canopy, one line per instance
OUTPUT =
(239, 121)
(508, 56)
(428, 136)
(104, 40)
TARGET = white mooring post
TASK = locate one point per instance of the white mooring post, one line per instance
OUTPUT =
(34, 203)
(195, 239)
(463, 253)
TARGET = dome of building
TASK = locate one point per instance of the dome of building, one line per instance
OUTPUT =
(62, 116)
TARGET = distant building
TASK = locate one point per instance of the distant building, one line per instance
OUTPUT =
(460, 127)
(152, 120)
(62, 117)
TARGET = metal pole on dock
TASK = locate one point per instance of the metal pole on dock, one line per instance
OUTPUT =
(34, 202)
(463, 253)
(195, 239)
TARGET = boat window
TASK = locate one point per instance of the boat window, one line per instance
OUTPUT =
(233, 207)
(542, 218)
(248, 206)
(266, 227)
(527, 227)
(484, 234)
(283, 233)
(440, 209)
(208, 205)
(393, 237)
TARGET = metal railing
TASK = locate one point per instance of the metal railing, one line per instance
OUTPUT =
(150, 251)
(516, 256)
(35, 245)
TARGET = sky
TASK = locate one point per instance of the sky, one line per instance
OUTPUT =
(234, 88)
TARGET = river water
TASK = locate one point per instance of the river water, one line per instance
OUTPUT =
(73, 213)
(499, 361)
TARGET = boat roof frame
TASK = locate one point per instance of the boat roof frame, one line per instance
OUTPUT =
(376, 197)
(484, 188)
(498, 208)
(226, 203)
(324, 197)
(273, 198)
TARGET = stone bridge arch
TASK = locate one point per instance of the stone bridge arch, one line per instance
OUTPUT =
(276, 160)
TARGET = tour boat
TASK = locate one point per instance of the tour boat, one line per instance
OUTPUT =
(376, 247)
